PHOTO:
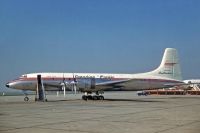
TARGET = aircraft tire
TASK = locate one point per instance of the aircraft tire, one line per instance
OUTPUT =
(26, 99)
(101, 97)
(95, 98)
(90, 97)
(84, 97)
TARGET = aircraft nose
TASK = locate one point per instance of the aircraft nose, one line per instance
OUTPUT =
(7, 85)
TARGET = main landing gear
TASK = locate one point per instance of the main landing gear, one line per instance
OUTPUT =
(89, 96)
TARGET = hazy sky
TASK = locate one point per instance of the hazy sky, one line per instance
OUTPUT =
(115, 36)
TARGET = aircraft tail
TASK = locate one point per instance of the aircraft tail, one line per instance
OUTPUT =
(170, 66)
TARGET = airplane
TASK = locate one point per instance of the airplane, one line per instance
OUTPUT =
(192, 81)
(167, 75)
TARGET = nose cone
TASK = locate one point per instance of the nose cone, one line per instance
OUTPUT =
(7, 85)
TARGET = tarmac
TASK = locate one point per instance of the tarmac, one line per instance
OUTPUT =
(120, 112)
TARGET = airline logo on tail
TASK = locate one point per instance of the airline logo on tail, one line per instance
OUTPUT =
(169, 64)
(168, 68)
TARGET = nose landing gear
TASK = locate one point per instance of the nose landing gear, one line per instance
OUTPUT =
(26, 99)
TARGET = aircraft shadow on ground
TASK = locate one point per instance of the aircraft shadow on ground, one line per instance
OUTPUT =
(125, 100)
(134, 100)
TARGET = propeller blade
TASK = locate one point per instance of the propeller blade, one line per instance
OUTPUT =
(74, 85)
(74, 88)
(63, 86)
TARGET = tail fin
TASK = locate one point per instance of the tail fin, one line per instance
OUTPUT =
(169, 67)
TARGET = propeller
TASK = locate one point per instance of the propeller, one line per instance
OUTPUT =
(74, 85)
(64, 85)
(63, 88)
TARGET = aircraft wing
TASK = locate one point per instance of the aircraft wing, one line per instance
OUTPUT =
(176, 84)
(120, 84)
(111, 84)
(103, 85)
(52, 85)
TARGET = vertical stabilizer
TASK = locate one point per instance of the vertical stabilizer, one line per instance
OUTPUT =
(170, 66)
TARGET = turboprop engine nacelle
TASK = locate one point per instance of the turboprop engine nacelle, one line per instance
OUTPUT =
(86, 84)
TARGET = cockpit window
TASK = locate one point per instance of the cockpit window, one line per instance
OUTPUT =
(24, 76)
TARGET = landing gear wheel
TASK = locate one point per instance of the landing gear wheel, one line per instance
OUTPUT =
(95, 97)
(101, 97)
(84, 97)
(89, 96)
(26, 99)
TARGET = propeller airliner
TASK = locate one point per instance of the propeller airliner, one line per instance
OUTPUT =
(167, 75)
